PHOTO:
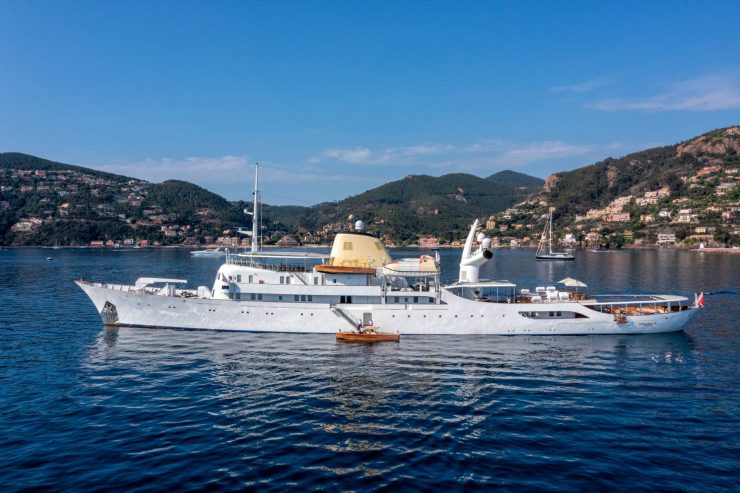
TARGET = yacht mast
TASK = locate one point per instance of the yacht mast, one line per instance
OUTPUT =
(255, 209)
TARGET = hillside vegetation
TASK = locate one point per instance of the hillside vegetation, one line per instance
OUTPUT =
(43, 202)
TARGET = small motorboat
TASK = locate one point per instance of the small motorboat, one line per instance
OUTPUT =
(367, 334)
(211, 252)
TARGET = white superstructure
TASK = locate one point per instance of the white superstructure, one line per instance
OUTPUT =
(360, 284)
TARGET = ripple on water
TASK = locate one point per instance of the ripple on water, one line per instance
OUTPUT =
(86, 408)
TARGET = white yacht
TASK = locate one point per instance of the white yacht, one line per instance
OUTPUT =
(210, 252)
(359, 285)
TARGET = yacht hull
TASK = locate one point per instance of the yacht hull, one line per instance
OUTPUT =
(455, 315)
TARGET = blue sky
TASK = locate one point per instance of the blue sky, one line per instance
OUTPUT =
(335, 98)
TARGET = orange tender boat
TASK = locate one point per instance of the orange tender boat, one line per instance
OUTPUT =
(367, 336)
(338, 269)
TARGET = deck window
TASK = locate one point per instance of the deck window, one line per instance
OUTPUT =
(253, 296)
(295, 298)
(251, 278)
(238, 278)
(238, 296)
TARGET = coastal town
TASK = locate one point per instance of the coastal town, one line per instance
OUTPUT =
(44, 203)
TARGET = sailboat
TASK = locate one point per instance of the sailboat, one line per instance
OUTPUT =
(544, 249)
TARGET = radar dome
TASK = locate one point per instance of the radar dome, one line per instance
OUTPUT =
(481, 237)
(359, 226)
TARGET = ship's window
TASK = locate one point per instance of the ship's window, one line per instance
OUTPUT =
(431, 300)
(405, 300)
(348, 245)
(238, 278)
(395, 299)
(310, 298)
(295, 298)
(280, 298)
(259, 296)
(238, 296)
(416, 299)
(253, 296)
(303, 297)
(251, 278)
(282, 279)
(545, 315)
(315, 280)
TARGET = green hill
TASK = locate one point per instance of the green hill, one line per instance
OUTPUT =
(596, 185)
(516, 180)
(44, 202)
(422, 204)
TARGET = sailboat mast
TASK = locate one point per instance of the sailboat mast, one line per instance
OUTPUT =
(549, 238)
(255, 208)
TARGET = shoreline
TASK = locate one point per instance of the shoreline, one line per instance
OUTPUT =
(731, 250)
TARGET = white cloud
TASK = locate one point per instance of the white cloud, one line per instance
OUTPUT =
(543, 151)
(582, 87)
(710, 93)
(458, 158)
(193, 169)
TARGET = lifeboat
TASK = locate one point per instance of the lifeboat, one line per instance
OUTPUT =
(423, 266)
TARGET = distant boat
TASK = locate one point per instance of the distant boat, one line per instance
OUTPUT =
(211, 252)
(544, 250)
(56, 245)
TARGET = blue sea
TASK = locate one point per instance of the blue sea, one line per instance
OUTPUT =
(85, 408)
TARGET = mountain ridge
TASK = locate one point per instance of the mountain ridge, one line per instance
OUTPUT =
(100, 198)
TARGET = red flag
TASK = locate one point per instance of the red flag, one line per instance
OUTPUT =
(700, 300)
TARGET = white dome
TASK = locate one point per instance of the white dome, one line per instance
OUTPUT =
(359, 226)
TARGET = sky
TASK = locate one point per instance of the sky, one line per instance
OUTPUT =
(333, 98)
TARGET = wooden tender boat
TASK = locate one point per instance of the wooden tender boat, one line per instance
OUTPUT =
(367, 335)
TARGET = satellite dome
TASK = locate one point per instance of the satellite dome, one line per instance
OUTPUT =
(481, 237)
(359, 226)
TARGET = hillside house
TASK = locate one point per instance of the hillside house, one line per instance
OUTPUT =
(619, 217)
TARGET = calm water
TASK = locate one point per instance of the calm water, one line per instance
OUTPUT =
(88, 408)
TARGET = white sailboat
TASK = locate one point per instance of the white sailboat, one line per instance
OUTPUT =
(544, 249)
